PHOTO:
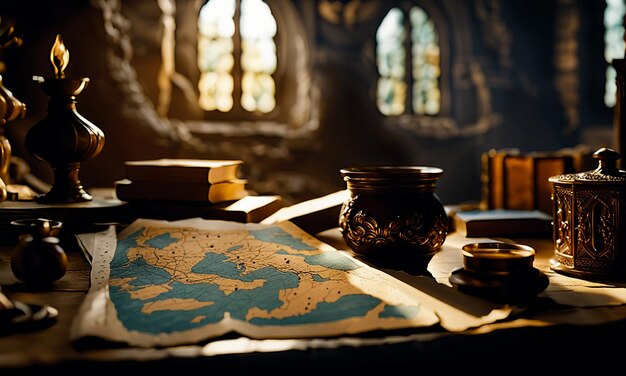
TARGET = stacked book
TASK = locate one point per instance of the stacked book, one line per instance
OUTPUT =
(502, 223)
(173, 189)
(195, 180)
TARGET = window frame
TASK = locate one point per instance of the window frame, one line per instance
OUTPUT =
(461, 71)
(296, 112)
(409, 78)
(133, 56)
(237, 111)
(437, 18)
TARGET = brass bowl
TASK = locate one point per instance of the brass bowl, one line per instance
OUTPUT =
(501, 272)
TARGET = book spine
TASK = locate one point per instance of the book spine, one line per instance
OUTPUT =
(486, 200)
(175, 174)
(171, 211)
(544, 169)
(492, 179)
(167, 174)
(226, 191)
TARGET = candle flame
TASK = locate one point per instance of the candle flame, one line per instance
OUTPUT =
(59, 56)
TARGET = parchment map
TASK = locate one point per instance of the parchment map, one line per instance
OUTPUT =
(167, 283)
(161, 283)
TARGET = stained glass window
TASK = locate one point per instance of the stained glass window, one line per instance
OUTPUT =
(423, 58)
(220, 43)
(613, 45)
(390, 57)
(426, 64)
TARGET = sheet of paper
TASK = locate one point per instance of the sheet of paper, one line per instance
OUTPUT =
(457, 311)
(162, 283)
(142, 295)
(578, 292)
(86, 244)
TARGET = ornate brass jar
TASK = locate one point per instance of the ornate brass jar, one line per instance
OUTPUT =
(394, 217)
(589, 220)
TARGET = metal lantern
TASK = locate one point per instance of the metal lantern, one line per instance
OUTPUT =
(589, 222)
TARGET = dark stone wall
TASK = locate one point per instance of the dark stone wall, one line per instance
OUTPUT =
(512, 47)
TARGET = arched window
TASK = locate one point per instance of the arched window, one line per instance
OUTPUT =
(237, 56)
(408, 57)
(219, 67)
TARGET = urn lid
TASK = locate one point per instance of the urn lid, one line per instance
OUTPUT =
(375, 178)
(606, 172)
(392, 172)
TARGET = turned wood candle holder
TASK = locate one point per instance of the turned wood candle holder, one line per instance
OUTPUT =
(64, 138)
(10, 107)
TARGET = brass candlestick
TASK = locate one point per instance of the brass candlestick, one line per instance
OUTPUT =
(64, 138)
(10, 107)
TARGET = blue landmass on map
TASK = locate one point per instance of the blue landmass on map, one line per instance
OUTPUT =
(319, 278)
(123, 245)
(142, 274)
(279, 236)
(234, 248)
(331, 260)
(132, 311)
(236, 303)
(161, 241)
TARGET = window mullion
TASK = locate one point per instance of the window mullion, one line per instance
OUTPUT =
(408, 65)
(237, 69)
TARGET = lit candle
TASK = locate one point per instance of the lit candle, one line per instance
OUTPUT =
(59, 57)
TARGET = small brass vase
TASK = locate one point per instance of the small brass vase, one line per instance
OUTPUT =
(38, 259)
(393, 217)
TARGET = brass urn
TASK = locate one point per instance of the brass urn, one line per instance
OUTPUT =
(393, 217)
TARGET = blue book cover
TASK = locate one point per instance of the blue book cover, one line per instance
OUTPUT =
(503, 222)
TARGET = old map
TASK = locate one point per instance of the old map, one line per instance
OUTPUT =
(167, 283)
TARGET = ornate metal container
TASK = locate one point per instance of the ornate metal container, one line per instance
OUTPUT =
(393, 217)
(589, 220)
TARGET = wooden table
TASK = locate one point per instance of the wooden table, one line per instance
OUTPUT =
(528, 344)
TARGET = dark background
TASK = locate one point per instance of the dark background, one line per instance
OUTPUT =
(525, 74)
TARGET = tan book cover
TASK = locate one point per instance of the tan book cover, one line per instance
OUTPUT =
(183, 170)
(519, 182)
(127, 190)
